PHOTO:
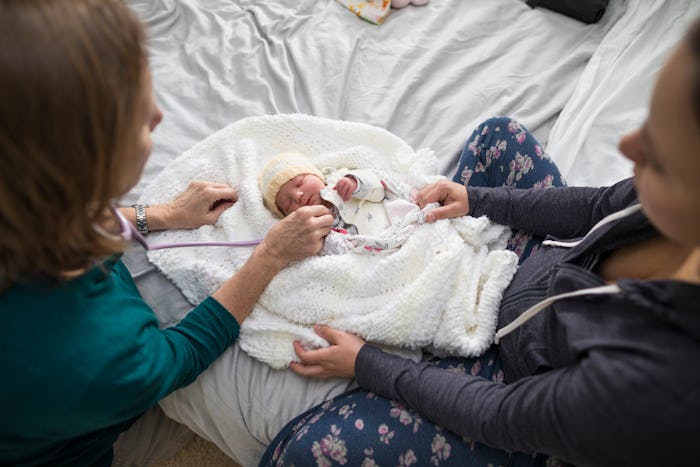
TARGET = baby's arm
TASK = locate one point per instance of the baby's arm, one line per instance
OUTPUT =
(345, 187)
(369, 185)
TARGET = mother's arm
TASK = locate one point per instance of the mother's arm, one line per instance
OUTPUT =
(564, 212)
(574, 413)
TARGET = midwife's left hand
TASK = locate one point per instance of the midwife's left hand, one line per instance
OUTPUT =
(338, 360)
(200, 204)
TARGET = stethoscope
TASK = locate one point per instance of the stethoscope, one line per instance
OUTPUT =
(129, 232)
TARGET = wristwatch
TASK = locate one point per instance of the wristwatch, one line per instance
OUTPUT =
(141, 224)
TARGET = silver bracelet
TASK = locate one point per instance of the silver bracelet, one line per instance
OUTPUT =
(141, 223)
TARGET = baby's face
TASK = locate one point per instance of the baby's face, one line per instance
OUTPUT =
(302, 190)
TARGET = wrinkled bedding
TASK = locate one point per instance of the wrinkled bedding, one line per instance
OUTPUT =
(428, 75)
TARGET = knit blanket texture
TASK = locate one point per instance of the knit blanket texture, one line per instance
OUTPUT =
(440, 290)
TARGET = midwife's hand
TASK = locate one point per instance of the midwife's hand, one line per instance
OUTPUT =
(451, 195)
(345, 187)
(299, 235)
(338, 360)
(200, 204)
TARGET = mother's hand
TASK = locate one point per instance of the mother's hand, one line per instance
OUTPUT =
(451, 195)
(338, 360)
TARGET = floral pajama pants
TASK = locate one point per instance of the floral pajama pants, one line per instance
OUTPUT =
(360, 428)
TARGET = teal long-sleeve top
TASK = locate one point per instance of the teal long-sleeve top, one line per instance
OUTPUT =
(80, 360)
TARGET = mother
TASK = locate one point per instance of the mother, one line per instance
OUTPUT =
(81, 355)
(605, 376)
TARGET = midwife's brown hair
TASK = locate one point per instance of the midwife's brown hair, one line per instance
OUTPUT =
(72, 90)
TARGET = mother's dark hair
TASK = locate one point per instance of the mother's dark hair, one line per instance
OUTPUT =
(72, 76)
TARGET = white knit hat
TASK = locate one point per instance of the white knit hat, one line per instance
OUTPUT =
(278, 171)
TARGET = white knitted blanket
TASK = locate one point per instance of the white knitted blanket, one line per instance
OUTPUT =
(441, 289)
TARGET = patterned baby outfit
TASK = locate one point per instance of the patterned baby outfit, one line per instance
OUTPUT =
(379, 216)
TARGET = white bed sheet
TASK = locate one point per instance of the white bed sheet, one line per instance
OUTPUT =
(428, 75)
(613, 92)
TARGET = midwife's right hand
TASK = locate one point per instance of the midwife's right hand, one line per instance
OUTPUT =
(452, 197)
(299, 235)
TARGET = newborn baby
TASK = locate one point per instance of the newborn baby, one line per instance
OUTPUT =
(364, 202)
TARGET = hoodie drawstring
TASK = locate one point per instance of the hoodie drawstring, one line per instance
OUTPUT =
(533, 310)
(605, 289)
(602, 222)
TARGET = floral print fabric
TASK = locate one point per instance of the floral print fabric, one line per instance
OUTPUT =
(501, 152)
(360, 428)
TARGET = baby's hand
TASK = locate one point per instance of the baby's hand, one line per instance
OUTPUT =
(345, 187)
